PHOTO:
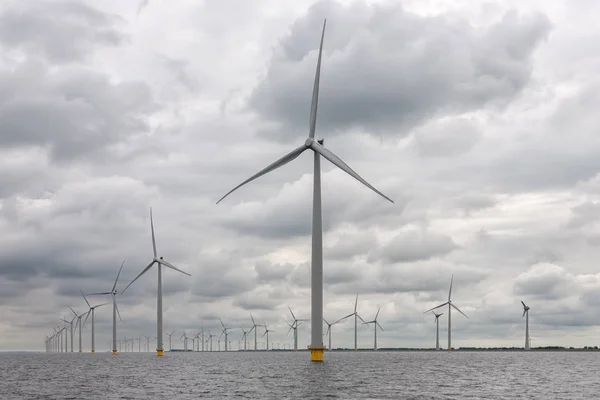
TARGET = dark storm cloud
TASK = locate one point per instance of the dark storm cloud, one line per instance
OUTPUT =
(386, 69)
(61, 31)
(414, 245)
(71, 113)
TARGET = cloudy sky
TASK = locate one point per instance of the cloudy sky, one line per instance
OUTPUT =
(477, 118)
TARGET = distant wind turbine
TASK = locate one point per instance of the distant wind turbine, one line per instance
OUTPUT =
(316, 346)
(437, 329)
(254, 325)
(185, 339)
(450, 306)
(356, 317)
(210, 336)
(526, 315)
(91, 311)
(294, 326)
(329, 325)
(159, 309)
(244, 334)
(169, 335)
(71, 329)
(226, 333)
(78, 323)
(267, 330)
(375, 325)
(113, 293)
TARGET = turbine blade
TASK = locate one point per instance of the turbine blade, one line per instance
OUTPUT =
(168, 264)
(291, 327)
(86, 318)
(450, 291)
(356, 302)
(293, 316)
(279, 163)
(118, 313)
(326, 321)
(152, 229)
(524, 312)
(73, 311)
(141, 273)
(116, 280)
(341, 319)
(458, 309)
(263, 335)
(338, 162)
(376, 315)
(379, 325)
(253, 323)
(100, 305)
(431, 309)
(88, 303)
(315, 95)
(359, 317)
(99, 293)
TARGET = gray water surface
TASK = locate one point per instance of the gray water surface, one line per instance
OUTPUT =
(286, 375)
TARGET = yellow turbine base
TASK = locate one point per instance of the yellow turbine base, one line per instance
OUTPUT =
(114, 352)
(316, 353)
(93, 351)
(449, 350)
(159, 352)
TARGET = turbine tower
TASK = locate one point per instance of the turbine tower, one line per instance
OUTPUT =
(91, 311)
(356, 317)
(437, 329)
(375, 325)
(159, 311)
(450, 306)
(316, 347)
(113, 293)
(526, 315)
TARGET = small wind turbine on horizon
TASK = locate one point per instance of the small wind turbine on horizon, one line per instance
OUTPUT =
(169, 335)
(159, 309)
(526, 315)
(113, 293)
(254, 326)
(316, 346)
(226, 333)
(450, 306)
(437, 329)
(356, 317)
(375, 325)
(244, 335)
(185, 339)
(267, 330)
(80, 325)
(71, 329)
(210, 336)
(91, 311)
(294, 326)
(328, 331)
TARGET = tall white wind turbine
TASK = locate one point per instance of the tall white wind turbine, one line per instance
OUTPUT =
(159, 309)
(316, 346)
(450, 306)
(91, 311)
(113, 293)
(526, 315)
(375, 325)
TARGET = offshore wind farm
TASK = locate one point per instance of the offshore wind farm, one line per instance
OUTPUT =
(426, 226)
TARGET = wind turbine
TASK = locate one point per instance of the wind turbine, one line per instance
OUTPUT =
(267, 330)
(169, 335)
(437, 329)
(185, 338)
(294, 326)
(210, 336)
(356, 317)
(78, 323)
(254, 325)
(113, 293)
(328, 332)
(316, 347)
(375, 325)
(450, 306)
(226, 333)
(526, 315)
(159, 311)
(244, 334)
(71, 329)
(91, 311)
